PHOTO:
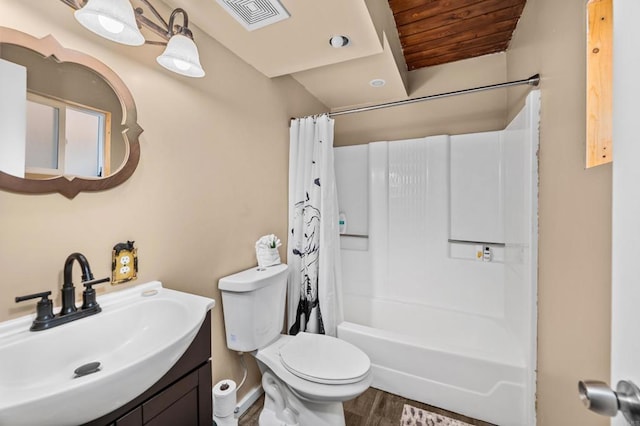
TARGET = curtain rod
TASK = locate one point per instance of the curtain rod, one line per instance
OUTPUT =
(534, 80)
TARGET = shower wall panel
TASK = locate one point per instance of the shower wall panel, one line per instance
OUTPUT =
(419, 268)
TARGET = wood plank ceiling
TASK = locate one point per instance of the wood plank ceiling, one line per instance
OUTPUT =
(434, 32)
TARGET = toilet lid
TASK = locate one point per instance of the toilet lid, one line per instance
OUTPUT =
(324, 359)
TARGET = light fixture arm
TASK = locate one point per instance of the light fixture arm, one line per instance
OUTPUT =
(152, 26)
(74, 4)
(184, 29)
(155, 13)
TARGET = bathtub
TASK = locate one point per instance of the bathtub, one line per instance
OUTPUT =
(468, 364)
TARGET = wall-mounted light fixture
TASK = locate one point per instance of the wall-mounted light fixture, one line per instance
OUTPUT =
(116, 20)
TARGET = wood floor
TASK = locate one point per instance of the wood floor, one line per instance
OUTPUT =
(372, 408)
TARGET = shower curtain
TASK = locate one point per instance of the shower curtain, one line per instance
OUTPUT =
(314, 296)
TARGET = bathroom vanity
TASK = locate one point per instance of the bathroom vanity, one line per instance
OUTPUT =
(181, 397)
(144, 359)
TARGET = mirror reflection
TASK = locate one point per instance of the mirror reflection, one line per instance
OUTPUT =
(67, 121)
(72, 121)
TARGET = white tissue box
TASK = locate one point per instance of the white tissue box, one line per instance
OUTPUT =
(267, 256)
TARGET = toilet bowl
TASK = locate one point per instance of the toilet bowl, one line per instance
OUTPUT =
(305, 377)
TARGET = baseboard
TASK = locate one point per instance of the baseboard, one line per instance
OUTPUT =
(247, 401)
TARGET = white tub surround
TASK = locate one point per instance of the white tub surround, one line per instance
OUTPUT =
(445, 320)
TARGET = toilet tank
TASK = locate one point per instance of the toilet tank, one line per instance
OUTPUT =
(253, 302)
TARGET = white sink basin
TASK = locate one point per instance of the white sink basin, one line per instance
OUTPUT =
(139, 335)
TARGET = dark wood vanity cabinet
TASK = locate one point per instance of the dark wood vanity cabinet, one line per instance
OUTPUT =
(182, 397)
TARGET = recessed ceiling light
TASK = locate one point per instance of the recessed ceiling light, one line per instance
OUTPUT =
(377, 82)
(339, 41)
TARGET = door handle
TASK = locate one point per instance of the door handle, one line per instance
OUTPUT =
(600, 398)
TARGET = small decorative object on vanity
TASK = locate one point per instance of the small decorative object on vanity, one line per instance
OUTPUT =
(44, 310)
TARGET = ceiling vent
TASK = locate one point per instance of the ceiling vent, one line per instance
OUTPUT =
(254, 14)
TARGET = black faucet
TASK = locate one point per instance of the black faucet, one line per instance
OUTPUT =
(45, 318)
(68, 289)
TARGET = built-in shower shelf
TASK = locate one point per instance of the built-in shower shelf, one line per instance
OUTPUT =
(484, 251)
(358, 242)
(483, 243)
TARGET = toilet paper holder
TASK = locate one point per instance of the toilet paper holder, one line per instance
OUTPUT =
(600, 398)
(224, 402)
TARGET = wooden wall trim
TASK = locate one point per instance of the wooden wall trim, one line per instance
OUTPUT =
(599, 82)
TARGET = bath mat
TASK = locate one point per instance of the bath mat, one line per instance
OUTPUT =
(412, 416)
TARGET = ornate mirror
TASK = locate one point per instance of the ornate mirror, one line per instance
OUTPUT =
(67, 121)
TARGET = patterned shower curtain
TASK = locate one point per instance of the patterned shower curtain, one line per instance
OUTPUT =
(314, 297)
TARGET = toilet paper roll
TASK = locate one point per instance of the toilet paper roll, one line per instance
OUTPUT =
(224, 398)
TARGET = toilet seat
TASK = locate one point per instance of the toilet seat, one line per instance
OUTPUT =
(324, 359)
(269, 359)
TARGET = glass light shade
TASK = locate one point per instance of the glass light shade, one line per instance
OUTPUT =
(181, 56)
(112, 19)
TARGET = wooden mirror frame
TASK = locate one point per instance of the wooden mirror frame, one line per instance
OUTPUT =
(70, 187)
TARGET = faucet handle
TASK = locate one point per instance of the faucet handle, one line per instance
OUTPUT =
(45, 296)
(89, 294)
(88, 284)
(44, 308)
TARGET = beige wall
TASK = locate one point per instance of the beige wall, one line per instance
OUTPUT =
(212, 177)
(574, 294)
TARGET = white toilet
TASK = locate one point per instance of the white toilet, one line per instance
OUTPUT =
(305, 377)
